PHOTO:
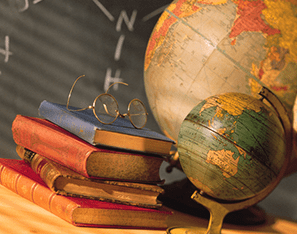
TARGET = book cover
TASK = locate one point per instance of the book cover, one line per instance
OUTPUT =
(18, 176)
(85, 125)
(51, 141)
(64, 181)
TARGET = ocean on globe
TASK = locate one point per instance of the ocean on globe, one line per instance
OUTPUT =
(231, 146)
(203, 48)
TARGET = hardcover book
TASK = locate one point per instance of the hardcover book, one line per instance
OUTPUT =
(120, 134)
(18, 176)
(51, 141)
(64, 181)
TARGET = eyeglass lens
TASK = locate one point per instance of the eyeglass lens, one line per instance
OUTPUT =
(106, 108)
(137, 113)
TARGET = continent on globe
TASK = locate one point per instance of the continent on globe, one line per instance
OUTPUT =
(202, 48)
(224, 160)
(232, 146)
(249, 19)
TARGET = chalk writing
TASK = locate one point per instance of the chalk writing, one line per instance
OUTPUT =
(129, 23)
(6, 51)
(154, 13)
(104, 10)
(25, 4)
(109, 79)
(118, 50)
(123, 17)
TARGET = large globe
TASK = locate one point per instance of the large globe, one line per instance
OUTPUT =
(232, 146)
(203, 48)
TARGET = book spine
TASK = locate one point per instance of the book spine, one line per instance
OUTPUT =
(68, 121)
(51, 141)
(40, 165)
(37, 193)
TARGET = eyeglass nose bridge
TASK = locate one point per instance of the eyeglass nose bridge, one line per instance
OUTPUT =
(122, 115)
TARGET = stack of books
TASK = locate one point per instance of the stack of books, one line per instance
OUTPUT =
(86, 172)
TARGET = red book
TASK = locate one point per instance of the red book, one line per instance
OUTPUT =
(51, 141)
(18, 176)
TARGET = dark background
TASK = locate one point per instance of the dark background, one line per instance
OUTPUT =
(46, 44)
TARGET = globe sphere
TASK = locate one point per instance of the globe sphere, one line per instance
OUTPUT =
(231, 146)
(203, 48)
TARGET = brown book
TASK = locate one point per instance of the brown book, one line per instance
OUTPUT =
(64, 181)
(18, 176)
(53, 142)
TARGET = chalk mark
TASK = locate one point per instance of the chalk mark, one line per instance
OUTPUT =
(118, 50)
(154, 13)
(104, 10)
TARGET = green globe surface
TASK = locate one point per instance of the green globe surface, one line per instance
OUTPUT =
(202, 48)
(231, 146)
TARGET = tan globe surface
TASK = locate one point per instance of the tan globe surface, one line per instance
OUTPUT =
(203, 48)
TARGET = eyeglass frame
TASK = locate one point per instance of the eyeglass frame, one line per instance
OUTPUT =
(106, 93)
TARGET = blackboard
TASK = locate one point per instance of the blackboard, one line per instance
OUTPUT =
(46, 44)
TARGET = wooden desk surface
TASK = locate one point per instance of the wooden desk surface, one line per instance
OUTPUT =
(18, 215)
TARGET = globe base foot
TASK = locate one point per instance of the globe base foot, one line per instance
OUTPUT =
(186, 230)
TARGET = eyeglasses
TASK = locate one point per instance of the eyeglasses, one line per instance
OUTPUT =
(106, 109)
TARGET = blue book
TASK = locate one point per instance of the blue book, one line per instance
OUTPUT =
(120, 134)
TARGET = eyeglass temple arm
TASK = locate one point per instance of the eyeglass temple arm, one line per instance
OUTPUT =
(114, 84)
(70, 92)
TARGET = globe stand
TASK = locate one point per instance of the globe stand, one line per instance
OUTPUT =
(219, 209)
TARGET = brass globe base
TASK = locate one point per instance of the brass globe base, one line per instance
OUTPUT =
(217, 211)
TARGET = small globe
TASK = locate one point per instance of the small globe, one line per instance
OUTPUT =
(231, 146)
(203, 48)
